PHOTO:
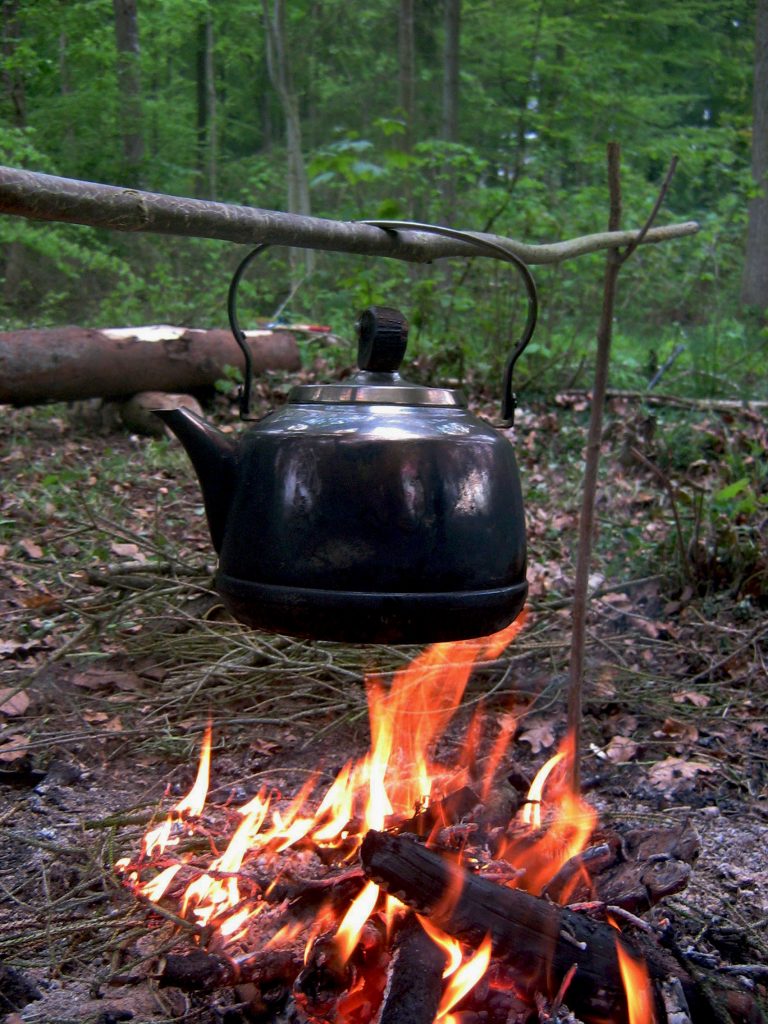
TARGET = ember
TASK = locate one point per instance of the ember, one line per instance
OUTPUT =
(285, 907)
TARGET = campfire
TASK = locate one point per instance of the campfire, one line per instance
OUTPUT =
(412, 890)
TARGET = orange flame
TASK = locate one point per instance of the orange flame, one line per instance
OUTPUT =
(637, 986)
(194, 801)
(189, 806)
(567, 834)
(464, 980)
(155, 889)
(531, 814)
(396, 777)
(354, 920)
(450, 946)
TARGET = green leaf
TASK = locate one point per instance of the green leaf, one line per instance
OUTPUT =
(725, 495)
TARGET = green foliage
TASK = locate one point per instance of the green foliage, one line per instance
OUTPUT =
(542, 89)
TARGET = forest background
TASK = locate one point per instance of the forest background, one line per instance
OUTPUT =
(483, 115)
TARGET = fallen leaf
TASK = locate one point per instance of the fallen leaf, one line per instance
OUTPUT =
(114, 725)
(621, 749)
(14, 748)
(127, 551)
(47, 601)
(540, 736)
(604, 684)
(107, 679)
(13, 702)
(10, 647)
(31, 549)
(675, 729)
(95, 716)
(264, 746)
(668, 774)
(701, 700)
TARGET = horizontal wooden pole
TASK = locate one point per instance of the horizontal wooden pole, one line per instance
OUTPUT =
(49, 198)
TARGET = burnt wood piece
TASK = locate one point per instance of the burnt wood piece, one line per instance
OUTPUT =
(634, 869)
(327, 988)
(198, 971)
(414, 978)
(73, 363)
(448, 811)
(444, 812)
(542, 940)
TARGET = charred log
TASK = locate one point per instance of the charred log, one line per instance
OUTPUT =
(448, 811)
(633, 870)
(198, 971)
(541, 940)
(415, 978)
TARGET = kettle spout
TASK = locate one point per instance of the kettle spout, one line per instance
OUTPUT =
(214, 457)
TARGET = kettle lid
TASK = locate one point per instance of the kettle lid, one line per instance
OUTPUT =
(382, 339)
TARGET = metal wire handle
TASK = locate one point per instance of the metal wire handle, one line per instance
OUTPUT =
(508, 395)
(495, 248)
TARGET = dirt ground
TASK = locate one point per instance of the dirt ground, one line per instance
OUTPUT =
(114, 653)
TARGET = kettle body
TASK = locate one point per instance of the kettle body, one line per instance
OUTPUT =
(374, 523)
(368, 511)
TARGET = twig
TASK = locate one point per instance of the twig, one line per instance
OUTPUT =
(652, 215)
(750, 408)
(669, 488)
(666, 365)
(50, 198)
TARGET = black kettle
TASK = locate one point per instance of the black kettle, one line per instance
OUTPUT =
(368, 511)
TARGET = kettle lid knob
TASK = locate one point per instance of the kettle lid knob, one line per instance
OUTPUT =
(382, 339)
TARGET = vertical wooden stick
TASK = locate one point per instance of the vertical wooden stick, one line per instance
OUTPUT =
(587, 517)
(614, 261)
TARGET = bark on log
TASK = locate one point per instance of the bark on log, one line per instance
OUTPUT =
(47, 197)
(199, 971)
(73, 363)
(543, 941)
(415, 978)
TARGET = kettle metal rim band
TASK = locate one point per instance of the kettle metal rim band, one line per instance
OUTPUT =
(491, 248)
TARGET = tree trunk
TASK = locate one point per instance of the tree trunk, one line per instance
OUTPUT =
(13, 81)
(452, 22)
(14, 99)
(406, 49)
(452, 16)
(280, 76)
(69, 144)
(129, 85)
(73, 363)
(206, 111)
(754, 285)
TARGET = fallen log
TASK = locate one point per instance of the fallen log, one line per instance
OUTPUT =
(73, 363)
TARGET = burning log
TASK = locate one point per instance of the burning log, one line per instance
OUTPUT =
(330, 988)
(448, 811)
(543, 941)
(199, 971)
(415, 978)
